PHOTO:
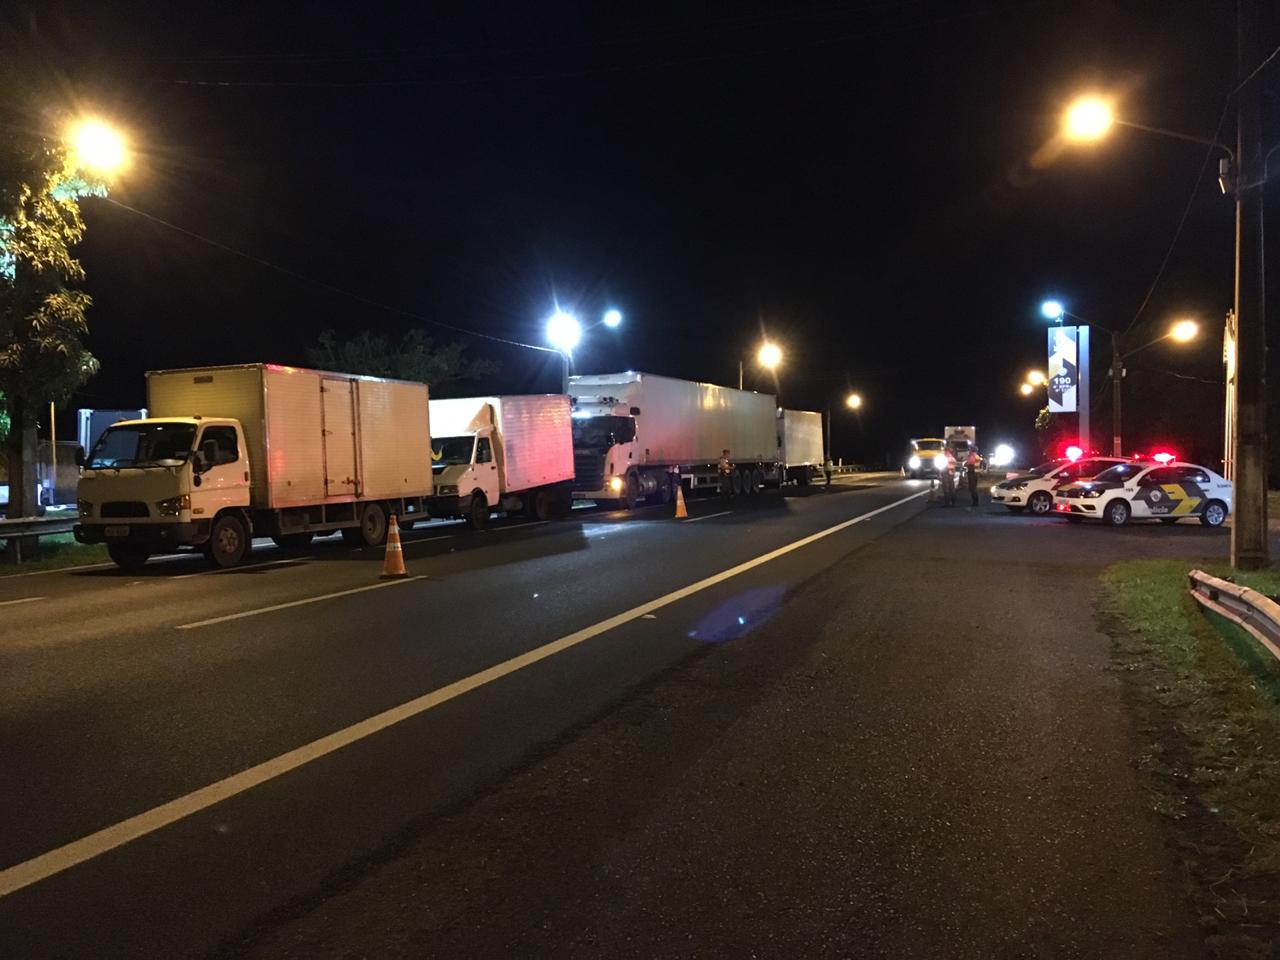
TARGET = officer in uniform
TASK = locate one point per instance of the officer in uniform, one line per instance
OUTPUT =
(971, 465)
(726, 474)
(948, 481)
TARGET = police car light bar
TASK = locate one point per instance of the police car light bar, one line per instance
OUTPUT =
(1163, 457)
(1073, 453)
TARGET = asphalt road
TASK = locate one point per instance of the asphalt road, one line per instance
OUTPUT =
(888, 732)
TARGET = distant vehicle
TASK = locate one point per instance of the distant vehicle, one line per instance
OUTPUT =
(1166, 492)
(636, 436)
(960, 440)
(1034, 489)
(234, 452)
(800, 445)
(928, 457)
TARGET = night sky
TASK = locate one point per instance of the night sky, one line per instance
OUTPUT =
(852, 179)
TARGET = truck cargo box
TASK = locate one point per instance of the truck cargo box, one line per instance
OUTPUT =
(682, 421)
(314, 437)
(536, 440)
(800, 438)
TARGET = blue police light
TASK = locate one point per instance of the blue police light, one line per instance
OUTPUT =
(1052, 310)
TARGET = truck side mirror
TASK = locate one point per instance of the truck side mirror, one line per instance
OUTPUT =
(79, 455)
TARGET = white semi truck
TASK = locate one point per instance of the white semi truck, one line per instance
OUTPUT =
(233, 452)
(637, 435)
(501, 453)
(800, 445)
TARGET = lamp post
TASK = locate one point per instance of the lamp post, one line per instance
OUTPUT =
(852, 401)
(564, 332)
(1242, 172)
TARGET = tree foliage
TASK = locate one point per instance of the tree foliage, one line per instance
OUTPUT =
(415, 357)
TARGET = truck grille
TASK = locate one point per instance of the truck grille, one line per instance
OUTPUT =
(588, 471)
(123, 508)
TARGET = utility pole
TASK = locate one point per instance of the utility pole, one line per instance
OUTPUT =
(1249, 548)
(1082, 390)
(1117, 374)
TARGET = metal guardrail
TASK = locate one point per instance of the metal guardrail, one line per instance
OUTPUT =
(1254, 611)
(37, 526)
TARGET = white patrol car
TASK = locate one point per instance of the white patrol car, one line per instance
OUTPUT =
(1034, 489)
(1148, 491)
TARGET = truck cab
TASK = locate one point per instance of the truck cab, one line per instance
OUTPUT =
(604, 437)
(466, 468)
(155, 484)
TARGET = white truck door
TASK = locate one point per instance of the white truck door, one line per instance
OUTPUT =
(486, 471)
(225, 479)
(338, 425)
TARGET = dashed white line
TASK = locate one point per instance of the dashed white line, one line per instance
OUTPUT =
(295, 603)
(10, 603)
(709, 516)
(63, 858)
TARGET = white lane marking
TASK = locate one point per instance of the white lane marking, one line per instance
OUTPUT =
(41, 573)
(294, 603)
(709, 516)
(246, 566)
(410, 543)
(10, 603)
(62, 858)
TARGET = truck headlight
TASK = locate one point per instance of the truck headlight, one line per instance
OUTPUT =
(940, 461)
(173, 506)
(914, 463)
(85, 508)
(615, 484)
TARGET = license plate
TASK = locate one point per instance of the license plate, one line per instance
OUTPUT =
(116, 531)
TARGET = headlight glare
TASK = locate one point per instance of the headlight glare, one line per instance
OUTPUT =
(940, 461)
(615, 484)
(914, 463)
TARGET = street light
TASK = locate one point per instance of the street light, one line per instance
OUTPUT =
(853, 401)
(1088, 119)
(1026, 389)
(768, 356)
(1035, 378)
(1184, 331)
(612, 318)
(564, 332)
(97, 147)
(1052, 310)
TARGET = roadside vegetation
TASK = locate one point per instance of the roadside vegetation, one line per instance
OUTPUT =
(57, 551)
(1207, 701)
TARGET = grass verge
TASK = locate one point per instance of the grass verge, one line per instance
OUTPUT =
(1208, 707)
(57, 551)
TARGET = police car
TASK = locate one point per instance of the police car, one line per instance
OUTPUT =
(1034, 489)
(1167, 492)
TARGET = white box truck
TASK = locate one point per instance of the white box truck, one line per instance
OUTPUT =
(636, 435)
(232, 452)
(501, 453)
(800, 445)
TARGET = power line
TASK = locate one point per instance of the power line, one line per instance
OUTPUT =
(326, 286)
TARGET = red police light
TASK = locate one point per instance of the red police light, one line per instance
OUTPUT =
(1163, 457)
(1073, 453)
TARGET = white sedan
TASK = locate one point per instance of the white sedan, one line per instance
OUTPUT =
(1034, 490)
(1148, 491)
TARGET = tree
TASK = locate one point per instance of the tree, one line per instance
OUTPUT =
(42, 315)
(417, 357)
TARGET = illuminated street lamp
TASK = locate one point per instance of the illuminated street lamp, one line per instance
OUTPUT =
(1052, 310)
(97, 148)
(1088, 119)
(853, 401)
(1036, 378)
(1026, 389)
(564, 332)
(612, 318)
(768, 356)
(1184, 331)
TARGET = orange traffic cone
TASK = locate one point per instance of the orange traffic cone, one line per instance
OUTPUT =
(393, 562)
(681, 512)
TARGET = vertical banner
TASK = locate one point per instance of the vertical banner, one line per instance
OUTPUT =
(1064, 369)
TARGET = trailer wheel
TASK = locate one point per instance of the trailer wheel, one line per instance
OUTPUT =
(127, 556)
(228, 541)
(757, 480)
(632, 496)
(736, 484)
(373, 525)
(665, 491)
(478, 512)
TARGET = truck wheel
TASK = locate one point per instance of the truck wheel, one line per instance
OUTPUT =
(293, 541)
(127, 556)
(540, 506)
(633, 492)
(373, 525)
(665, 492)
(228, 541)
(757, 480)
(478, 512)
(736, 484)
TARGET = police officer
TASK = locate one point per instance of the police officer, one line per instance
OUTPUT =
(971, 464)
(725, 469)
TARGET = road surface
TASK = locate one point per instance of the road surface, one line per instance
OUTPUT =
(848, 722)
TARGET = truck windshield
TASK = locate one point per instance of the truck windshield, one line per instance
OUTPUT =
(927, 446)
(153, 444)
(451, 450)
(603, 431)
